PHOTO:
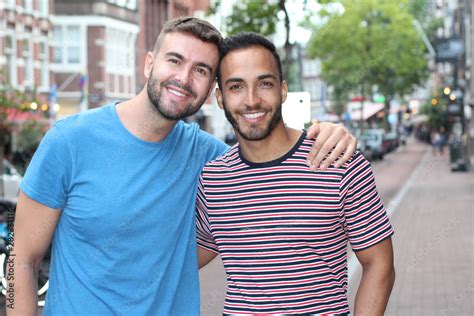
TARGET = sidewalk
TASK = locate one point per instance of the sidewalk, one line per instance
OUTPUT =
(433, 242)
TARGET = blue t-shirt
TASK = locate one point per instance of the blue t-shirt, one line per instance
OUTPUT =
(125, 241)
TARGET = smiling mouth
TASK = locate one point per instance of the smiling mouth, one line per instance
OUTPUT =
(177, 93)
(253, 116)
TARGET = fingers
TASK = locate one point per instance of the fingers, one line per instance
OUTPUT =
(315, 156)
(348, 153)
(333, 138)
(335, 145)
(312, 131)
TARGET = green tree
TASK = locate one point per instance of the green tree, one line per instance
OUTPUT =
(261, 16)
(253, 16)
(436, 110)
(370, 46)
(10, 98)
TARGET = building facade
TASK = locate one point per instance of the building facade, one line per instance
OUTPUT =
(153, 15)
(25, 51)
(94, 51)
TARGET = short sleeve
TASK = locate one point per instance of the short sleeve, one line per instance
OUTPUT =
(203, 229)
(211, 147)
(365, 218)
(48, 175)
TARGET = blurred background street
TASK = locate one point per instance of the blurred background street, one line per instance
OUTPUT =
(396, 73)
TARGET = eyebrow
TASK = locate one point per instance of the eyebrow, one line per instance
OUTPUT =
(230, 80)
(261, 77)
(267, 76)
(200, 64)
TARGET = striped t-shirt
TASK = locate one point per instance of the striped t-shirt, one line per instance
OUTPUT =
(282, 229)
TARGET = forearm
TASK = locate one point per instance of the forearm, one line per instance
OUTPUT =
(21, 298)
(205, 256)
(374, 290)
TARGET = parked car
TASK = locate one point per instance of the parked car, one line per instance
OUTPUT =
(11, 181)
(392, 141)
(364, 149)
(374, 140)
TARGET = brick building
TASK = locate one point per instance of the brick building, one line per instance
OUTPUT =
(83, 54)
(94, 52)
(24, 45)
(153, 15)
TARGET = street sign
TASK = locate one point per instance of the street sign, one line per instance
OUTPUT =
(448, 49)
(53, 94)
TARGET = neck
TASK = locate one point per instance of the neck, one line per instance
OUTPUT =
(277, 144)
(141, 119)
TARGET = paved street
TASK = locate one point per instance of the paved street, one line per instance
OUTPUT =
(432, 210)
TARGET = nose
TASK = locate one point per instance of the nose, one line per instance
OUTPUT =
(253, 98)
(183, 75)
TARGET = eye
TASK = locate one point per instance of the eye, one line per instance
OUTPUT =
(201, 71)
(266, 84)
(235, 87)
(173, 61)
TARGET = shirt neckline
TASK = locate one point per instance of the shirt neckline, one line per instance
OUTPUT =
(134, 138)
(274, 162)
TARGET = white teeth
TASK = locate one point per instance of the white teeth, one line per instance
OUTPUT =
(179, 94)
(253, 115)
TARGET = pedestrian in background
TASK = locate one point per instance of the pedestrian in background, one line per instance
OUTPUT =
(439, 140)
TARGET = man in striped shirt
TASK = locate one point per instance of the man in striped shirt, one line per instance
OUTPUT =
(282, 229)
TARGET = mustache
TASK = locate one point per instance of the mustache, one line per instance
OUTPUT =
(177, 84)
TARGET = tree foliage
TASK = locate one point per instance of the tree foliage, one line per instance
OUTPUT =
(420, 10)
(10, 98)
(253, 16)
(371, 44)
(261, 16)
(437, 111)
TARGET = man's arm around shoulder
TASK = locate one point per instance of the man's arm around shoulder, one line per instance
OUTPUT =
(34, 227)
(378, 276)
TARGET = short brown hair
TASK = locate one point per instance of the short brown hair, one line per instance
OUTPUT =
(198, 28)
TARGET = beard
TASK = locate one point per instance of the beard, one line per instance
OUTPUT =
(168, 110)
(254, 133)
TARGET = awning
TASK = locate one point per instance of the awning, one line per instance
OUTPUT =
(18, 116)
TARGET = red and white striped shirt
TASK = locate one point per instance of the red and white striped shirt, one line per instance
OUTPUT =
(282, 229)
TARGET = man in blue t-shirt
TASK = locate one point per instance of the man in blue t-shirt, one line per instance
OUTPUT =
(113, 189)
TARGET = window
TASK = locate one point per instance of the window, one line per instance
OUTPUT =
(67, 44)
(123, 62)
(28, 5)
(10, 54)
(43, 7)
(120, 65)
(129, 4)
(57, 44)
(28, 57)
(10, 4)
(42, 50)
(73, 44)
(44, 70)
